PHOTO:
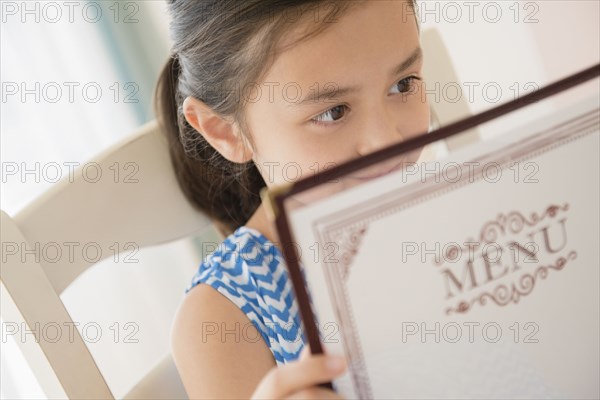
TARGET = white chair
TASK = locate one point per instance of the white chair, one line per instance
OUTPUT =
(439, 72)
(82, 212)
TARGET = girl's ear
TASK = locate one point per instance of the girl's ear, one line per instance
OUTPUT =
(222, 135)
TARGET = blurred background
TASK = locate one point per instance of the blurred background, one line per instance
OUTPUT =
(78, 76)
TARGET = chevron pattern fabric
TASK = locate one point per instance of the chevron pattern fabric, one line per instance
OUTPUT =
(250, 271)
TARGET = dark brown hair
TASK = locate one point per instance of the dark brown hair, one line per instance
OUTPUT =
(220, 47)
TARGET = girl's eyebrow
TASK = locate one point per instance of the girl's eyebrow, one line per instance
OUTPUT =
(331, 91)
(415, 56)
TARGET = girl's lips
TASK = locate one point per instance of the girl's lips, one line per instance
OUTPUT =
(380, 174)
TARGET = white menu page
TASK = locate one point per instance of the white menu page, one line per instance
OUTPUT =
(475, 276)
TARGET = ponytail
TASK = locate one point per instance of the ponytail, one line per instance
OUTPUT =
(227, 192)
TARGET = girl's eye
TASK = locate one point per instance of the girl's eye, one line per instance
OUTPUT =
(330, 116)
(406, 85)
(333, 115)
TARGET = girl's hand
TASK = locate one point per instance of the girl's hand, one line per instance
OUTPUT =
(299, 379)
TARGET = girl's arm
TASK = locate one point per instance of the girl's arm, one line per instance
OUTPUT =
(218, 352)
(233, 364)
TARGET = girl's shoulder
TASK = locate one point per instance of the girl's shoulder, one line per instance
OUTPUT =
(249, 270)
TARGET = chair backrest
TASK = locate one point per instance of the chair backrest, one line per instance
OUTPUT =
(135, 199)
(439, 73)
(130, 186)
(127, 195)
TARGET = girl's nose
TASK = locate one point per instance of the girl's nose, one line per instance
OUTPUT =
(379, 133)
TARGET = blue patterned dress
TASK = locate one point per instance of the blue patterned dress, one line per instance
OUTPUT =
(250, 271)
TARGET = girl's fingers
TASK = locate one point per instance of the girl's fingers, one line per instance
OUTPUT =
(301, 374)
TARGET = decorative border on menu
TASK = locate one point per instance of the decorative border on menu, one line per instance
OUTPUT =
(346, 227)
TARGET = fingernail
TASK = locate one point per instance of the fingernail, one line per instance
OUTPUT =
(336, 363)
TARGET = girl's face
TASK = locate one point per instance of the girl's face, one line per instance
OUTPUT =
(348, 91)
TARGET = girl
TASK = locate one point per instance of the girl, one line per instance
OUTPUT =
(252, 88)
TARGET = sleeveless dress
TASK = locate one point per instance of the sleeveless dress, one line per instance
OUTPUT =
(250, 271)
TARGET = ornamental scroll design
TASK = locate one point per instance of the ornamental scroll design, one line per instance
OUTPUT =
(349, 241)
(513, 223)
(502, 295)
